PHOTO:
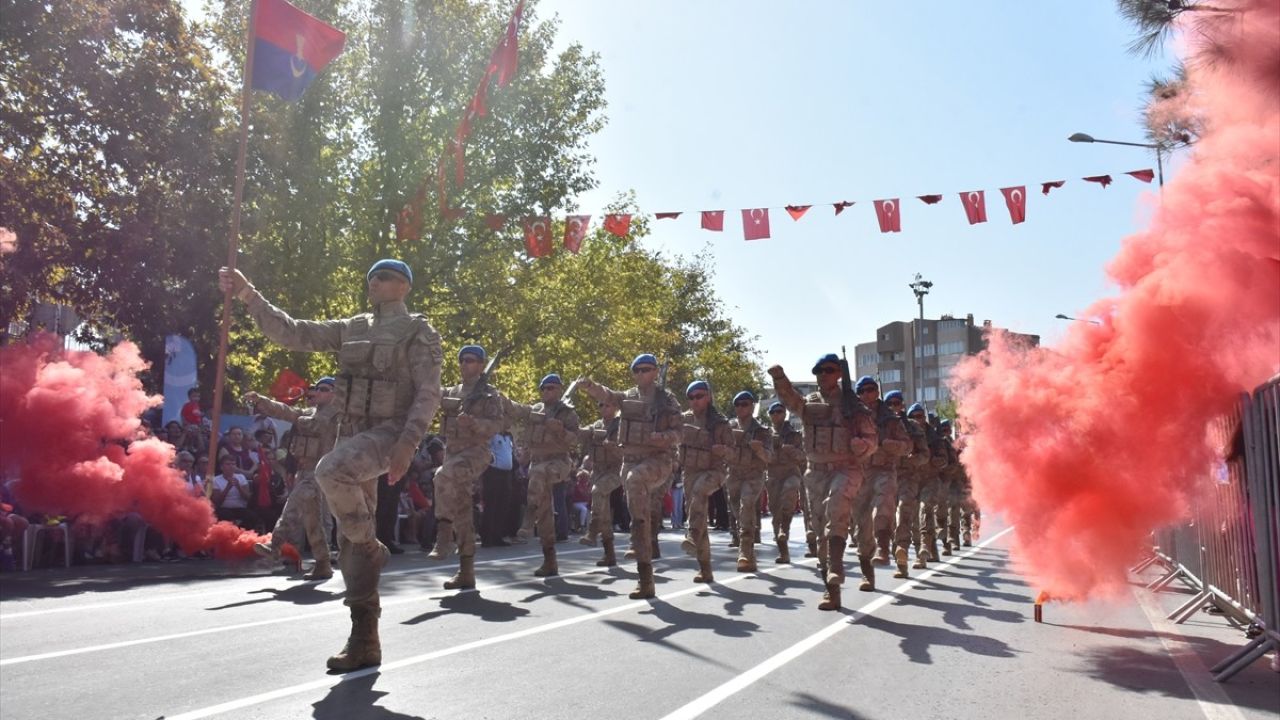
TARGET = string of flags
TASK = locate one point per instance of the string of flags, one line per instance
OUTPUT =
(755, 221)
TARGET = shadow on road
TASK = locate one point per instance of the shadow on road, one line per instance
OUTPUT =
(307, 594)
(472, 603)
(737, 600)
(918, 639)
(563, 591)
(814, 706)
(957, 614)
(355, 699)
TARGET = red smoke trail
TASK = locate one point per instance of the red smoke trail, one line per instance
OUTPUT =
(66, 419)
(1090, 446)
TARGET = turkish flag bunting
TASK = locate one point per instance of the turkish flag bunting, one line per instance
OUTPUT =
(975, 206)
(930, 199)
(459, 161)
(667, 215)
(1103, 180)
(840, 206)
(713, 220)
(408, 224)
(1145, 176)
(537, 236)
(1016, 199)
(575, 228)
(755, 224)
(495, 222)
(288, 387)
(1047, 186)
(506, 58)
(442, 194)
(797, 211)
(618, 224)
(888, 215)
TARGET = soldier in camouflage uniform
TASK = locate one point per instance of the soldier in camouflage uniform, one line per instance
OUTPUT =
(951, 475)
(305, 508)
(705, 439)
(931, 490)
(877, 501)
(910, 475)
(750, 452)
(785, 476)
(836, 447)
(551, 428)
(600, 443)
(472, 413)
(648, 435)
(387, 393)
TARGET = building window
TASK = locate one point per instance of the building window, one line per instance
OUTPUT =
(891, 376)
(951, 348)
(929, 350)
(924, 329)
(930, 393)
(931, 373)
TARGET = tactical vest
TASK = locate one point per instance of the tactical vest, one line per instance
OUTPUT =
(374, 383)
(741, 456)
(451, 405)
(917, 462)
(780, 466)
(638, 425)
(696, 441)
(825, 437)
(307, 440)
(542, 441)
(601, 440)
(885, 418)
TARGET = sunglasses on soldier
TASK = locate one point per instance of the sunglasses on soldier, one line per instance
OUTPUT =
(385, 276)
(743, 403)
(826, 370)
(698, 396)
(643, 369)
(777, 412)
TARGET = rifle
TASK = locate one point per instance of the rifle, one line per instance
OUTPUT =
(477, 391)
(659, 394)
(567, 398)
(848, 397)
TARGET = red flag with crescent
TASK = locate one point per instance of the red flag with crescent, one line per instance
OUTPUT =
(537, 236)
(506, 58)
(667, 215)
(713, 220)
(975, 206)
(755, 224)
(930, 199)
(1045, 187)
(888, 215)
(1145, 176)
(575, 229)
(288, 387)
(1016, 200)
(618, 223)
(840, 206)
(797, 211)
(1103, 180)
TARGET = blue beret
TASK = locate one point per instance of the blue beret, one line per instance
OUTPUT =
(915, 408)
(864, 381)
(831, 358)
(645, 359)
(776, 406)
(552, 379)
(326, 380)
(697, 385)
(944, 425)
(390, 264)
(744, 395)
(472, 350)
(893, 395)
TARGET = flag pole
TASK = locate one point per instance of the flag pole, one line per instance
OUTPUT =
(232, 247)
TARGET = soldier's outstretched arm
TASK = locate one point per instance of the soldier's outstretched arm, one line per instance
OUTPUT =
(271, 408)
(276, 324)
(787, 392)
(601, 393)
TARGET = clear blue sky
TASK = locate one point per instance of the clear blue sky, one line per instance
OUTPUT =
(720, 104)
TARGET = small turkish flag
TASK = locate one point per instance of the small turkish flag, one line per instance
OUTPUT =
(619, 224)
(930, 199)
(888, 215)
(288, 387)
(1045, 187)
(495, 222)
(575, 228)
(1103, 180)
(975, 206)
(797, 211)
(840, 206)
(537, 236)
(506, 58)
(713, 220)
(1016, 199)
(666, 215)
(1145, 176)
(755, 224)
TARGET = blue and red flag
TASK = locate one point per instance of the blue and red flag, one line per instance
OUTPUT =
(289, 48)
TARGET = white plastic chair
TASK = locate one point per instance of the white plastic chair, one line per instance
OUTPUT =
(29, 542)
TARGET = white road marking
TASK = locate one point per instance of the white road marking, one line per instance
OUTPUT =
(736, 684)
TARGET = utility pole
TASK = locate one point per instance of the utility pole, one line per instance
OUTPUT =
(921, 288)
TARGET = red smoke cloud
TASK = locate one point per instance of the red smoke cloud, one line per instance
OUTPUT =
(1089, 446)
(67, 419)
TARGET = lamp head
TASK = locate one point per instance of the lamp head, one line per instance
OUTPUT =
(1081, 137)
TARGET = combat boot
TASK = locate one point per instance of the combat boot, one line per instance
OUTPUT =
(589, 538)
(946, 547)
(735, 539)
(922, 558)
(630, 554)
(363, 648)
(968, 540)
(267, 550)
(690, 543)
(645, 589)
(444, 542)
(549, 565)
(704, 572)
(747, 555)
(812, 541)
(784, 551)
(834, 577)
(465, 578)
(900, 557)
(609, 560)
(882, 548)
(868, 574)
(654, 549)
(322, 570)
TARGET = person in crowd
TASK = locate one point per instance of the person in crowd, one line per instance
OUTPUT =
(191, 412)
(495, 486)
(232, 494)
(581, 499)
(235, 446)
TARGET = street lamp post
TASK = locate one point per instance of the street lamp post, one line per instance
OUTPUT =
(920, 287)
(1087, 138)
(1060, 316)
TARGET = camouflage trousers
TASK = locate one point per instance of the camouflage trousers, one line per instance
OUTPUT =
(544, 475)
(784, 494)
(303, 517)
(602, 486)
(455, 483)
(874, 507)
(934, 508)
(908, 531)
(830, 489)
(348, 475)
(961, 513)
(742, 489)
(699, 486)
(645, 480)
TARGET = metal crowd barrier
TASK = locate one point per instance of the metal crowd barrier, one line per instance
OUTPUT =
(1230, 550)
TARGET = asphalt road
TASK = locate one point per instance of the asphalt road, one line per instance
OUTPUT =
(198, 639)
